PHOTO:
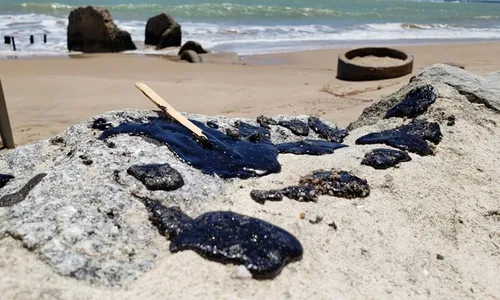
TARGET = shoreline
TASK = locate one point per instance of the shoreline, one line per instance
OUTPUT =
(244, 57)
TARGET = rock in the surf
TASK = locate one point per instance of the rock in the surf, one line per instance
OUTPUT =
(191, 57)
(163, 31)
(92, 30)
(194, 46)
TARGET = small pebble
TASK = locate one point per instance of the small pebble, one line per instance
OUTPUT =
(302, 215)
(451, 120)
(101, 124)
(333, 225)
(261, 196)
(86, 160)
(317, 220)
(388, 178)
(439, 257)
(300, 193)
(241, 272)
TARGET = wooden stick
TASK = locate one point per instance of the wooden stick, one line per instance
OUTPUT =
(169, 110)
(5, 130)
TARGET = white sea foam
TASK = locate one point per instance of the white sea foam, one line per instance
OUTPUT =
(244, 39)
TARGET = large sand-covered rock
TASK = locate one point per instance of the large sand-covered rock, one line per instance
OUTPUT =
(428, 229)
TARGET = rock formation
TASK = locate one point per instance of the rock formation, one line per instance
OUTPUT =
(163, 31)
(190, 56)
(91, 30)
(431, 218)
(194, 46)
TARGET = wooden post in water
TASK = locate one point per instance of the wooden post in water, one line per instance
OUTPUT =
(7, 39)
(5, 130)
(13, 43)
(45, 39)
(32, 39)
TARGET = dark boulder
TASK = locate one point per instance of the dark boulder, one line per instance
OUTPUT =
(163, 31)
(91, 30)
(194, 46)
(191, 56)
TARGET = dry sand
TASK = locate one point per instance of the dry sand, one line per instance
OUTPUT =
(381, 61)
(45, 96)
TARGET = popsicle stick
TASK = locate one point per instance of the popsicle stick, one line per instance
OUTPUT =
(168, 109)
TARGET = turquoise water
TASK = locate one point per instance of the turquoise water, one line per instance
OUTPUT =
(250, 27)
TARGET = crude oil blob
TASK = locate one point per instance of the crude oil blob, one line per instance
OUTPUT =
(320, 182)
(309, 147)
(261, 196)
(300, 193)
(227, 237)
(221, 155)
(384, 158)
(411, 137)
(4, 179)
(157, 176)
(326, 132)
(415, 103)
(297, 127)
(252, 133)
(101, 124)
(336, 183)
(266, 121)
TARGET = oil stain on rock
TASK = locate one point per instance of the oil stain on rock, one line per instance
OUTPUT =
(14, 198)
(227, 237)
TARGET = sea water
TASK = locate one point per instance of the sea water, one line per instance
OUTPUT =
(258, 26)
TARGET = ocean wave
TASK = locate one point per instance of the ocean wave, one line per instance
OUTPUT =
(46, 5)
(209, 10)
(486, 17)
(239, 37)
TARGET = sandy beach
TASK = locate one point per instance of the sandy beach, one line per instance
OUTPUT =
(428, 230)
(46, 95)
(379, 189)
